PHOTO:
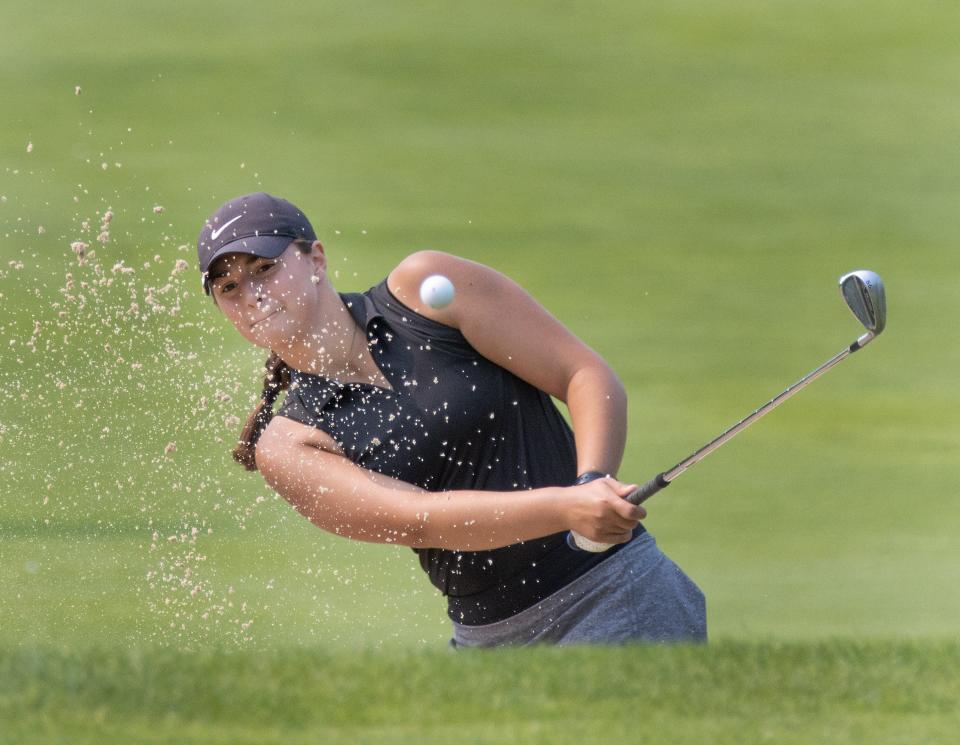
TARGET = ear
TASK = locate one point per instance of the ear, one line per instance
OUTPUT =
(318, 258)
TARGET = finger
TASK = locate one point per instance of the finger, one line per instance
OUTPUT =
(632, 512)
(616, 526)
(619, 537)
(621, 523)
(617, 486)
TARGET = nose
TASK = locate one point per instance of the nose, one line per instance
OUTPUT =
(254, 294)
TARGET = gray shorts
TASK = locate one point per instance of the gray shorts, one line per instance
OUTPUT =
(637, 595)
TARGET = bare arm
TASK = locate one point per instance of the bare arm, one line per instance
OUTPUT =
(534, 346)
(302, 465)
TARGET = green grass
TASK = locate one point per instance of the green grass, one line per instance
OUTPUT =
(838, 692)
(680, 182)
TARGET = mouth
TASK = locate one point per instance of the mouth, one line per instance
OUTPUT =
(269, 315)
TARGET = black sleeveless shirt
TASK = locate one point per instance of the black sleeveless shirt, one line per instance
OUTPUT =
(454, 420)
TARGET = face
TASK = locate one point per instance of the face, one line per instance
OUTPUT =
(273, 303)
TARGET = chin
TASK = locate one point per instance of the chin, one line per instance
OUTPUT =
(258, 340)
(275, 336)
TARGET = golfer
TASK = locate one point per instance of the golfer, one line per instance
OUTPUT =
(435, 429)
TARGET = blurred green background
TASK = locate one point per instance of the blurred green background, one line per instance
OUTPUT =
(679, 182)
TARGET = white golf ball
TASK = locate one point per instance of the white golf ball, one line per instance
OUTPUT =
(437, 291)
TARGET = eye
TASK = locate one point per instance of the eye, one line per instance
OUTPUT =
(227, 287)
(265, 267)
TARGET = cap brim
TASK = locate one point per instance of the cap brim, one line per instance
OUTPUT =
(264, 246)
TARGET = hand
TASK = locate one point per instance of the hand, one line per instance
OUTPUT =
(599, 512)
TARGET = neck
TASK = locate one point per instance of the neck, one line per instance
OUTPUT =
(333, 347)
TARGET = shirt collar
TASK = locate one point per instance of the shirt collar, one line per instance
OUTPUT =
(361, 308)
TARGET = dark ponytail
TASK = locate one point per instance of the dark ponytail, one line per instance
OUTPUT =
(276, 380)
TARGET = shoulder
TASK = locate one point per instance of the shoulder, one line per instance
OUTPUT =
(471, 280)
(405, 280)
(427, 261)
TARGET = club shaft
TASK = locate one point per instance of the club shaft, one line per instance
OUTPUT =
(662, 480)
(670, 475)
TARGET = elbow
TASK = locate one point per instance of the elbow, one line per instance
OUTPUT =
(615, 389)
(618, 391)
(264, 459)
(269, 456)
(599, 377)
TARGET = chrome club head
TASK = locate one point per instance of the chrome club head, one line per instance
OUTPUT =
(863, 292)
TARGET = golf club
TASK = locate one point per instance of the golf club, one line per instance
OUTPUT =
(864, 294)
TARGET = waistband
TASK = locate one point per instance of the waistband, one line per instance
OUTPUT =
(640, 555)
(550, 573)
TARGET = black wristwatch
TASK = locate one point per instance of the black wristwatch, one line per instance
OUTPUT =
(587, 476)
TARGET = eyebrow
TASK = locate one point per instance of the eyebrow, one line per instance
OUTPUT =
(216, 275)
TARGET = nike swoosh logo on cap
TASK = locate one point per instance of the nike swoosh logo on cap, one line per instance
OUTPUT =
(214, 234)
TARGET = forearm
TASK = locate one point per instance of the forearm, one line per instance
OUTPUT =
(470, 520)
(363, 505)
(597, 403)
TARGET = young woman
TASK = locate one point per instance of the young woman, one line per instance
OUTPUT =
(434, 429)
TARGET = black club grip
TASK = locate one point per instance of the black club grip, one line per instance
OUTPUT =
(646, 491)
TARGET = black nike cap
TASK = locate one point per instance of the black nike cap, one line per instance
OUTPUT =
(258, 224)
